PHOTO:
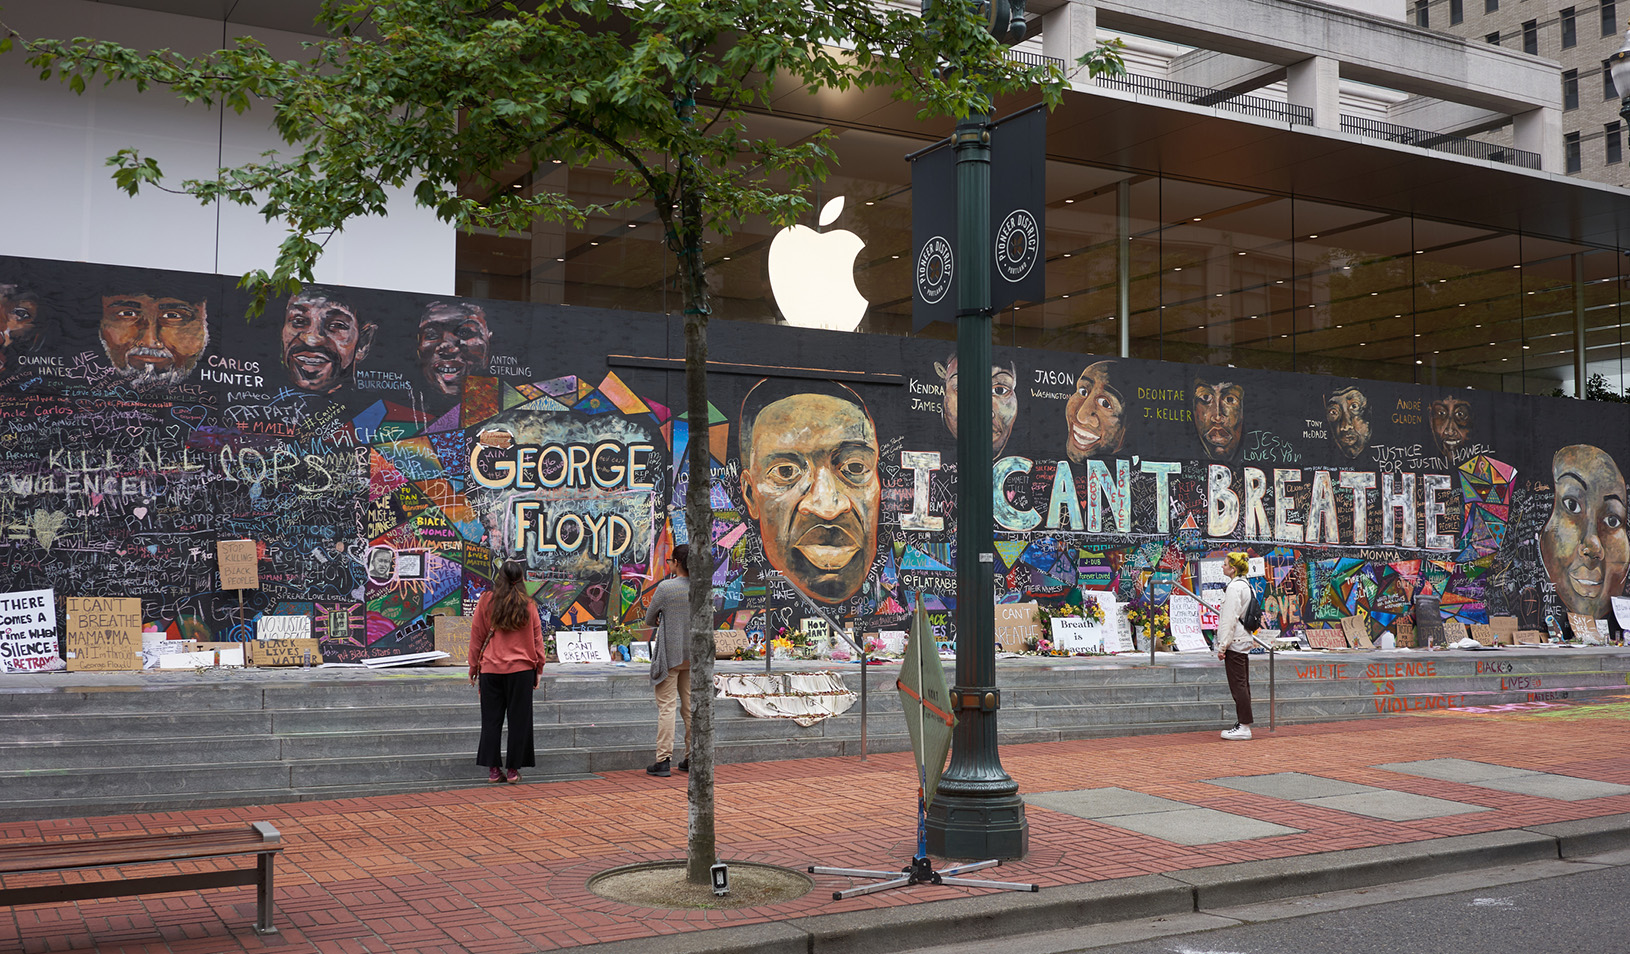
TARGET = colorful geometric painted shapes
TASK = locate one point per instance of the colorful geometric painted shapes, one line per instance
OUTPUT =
(447, 422)
(916, 558)
(718, 442)
(562, 387)
(1009, 551)
(544, 403)
(414, 457)
(621, 396)
(659, 411)
(594, 403)
(482, 398)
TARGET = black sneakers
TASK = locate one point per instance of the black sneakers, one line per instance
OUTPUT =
(660, 769)
(684, 765)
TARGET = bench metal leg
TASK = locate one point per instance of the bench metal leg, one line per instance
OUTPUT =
(264, 904)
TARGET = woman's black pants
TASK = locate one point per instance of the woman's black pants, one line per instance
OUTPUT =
(506, 694)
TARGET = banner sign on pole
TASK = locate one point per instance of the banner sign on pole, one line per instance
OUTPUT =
(1018, 222)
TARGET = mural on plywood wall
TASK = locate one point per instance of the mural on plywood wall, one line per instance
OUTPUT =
(386, 450)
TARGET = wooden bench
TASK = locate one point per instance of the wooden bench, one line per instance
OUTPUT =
(259, 839)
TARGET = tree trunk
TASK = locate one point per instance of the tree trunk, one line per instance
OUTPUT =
(701, 847)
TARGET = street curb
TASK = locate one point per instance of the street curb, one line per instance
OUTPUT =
(1251, 882)
(993, 915)
(929, 924)
(1588, 836)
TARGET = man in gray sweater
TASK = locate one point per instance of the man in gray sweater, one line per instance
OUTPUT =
(670, 663)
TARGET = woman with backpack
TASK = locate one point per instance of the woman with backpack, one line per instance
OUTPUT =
(1234, 642)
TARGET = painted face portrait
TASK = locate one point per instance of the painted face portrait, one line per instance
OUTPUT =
(810, 481)
(453, 344)
(1095, 415)
(153, 338)
(21, 324)
(323, 340)
(1451, 420)
(1004, 401)
(1219, 417)
(1347, 418)
(1583, 545)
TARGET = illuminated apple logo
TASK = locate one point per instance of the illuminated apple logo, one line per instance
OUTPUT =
(812, 274)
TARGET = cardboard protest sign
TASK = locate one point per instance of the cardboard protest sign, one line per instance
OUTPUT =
(1120, 627)
(582, 646)
(283, 652)
(28, 632)
(283, 627)
(104, 634)
(453, 638)
(817, 633)
(727, 641)
(1584, 627)
(1326, 637)
(1016, 624)
(239, 561)
(1358, 635)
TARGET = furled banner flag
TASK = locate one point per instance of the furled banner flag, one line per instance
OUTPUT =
(927, 703)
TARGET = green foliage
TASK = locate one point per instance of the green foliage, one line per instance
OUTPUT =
(453, 100)
(1597, 389)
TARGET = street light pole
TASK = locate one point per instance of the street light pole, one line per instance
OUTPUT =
(1618, 65)
(977, 812)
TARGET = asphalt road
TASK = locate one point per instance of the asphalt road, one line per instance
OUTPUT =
(1550, 907)
(1577, 914)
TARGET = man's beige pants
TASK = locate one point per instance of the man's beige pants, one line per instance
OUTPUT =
(673, 691)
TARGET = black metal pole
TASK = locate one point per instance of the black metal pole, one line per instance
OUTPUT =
(977, 812)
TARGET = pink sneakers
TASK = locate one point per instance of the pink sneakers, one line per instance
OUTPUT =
(496, 775)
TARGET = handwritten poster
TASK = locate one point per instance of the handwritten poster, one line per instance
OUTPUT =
(104, 634)
(28, 632)
(1185, 616)
(1119, 637)
(1016, 624)
(582, 646)
(283, 627)
(727, 641)
(240, 564)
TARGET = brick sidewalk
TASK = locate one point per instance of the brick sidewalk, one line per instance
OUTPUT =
(503, 868)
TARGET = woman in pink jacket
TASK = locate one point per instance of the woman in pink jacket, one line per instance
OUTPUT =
(506, 656)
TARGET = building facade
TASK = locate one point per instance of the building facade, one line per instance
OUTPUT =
(1266, 326)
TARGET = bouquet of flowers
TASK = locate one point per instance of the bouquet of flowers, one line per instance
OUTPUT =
(1090, 610)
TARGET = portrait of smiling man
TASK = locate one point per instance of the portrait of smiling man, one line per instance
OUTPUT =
(453, 344)
(153, 339)
(809, 480)
(323, 341)
(1095, 415)
(1583, 545)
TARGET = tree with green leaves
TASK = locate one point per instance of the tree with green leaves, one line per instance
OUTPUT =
(441, 96)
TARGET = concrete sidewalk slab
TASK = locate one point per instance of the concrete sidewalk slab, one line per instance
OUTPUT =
(1563, 787)
(1198, 826)
(1291, 786)
(1394, 806)
(1455, 770)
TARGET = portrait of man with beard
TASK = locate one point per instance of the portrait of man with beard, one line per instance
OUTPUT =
(454, 342)
(323, 341)
(809, 481)
(153, 339)
(1219, 417)
(1347, 419)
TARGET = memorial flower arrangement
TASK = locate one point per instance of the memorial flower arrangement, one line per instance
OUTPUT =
(1088, 609)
